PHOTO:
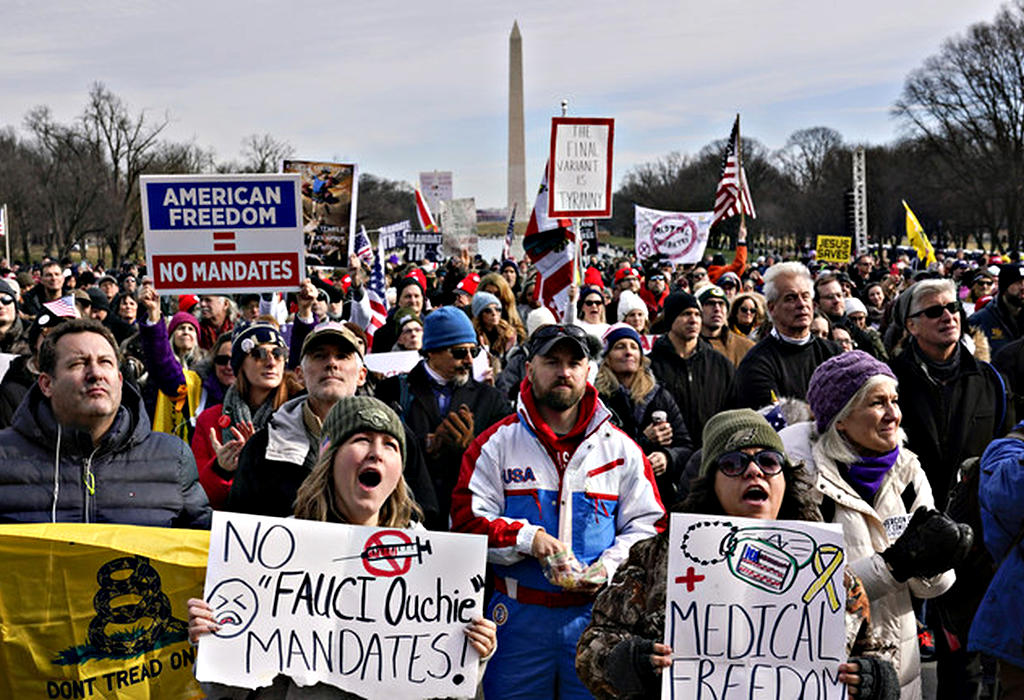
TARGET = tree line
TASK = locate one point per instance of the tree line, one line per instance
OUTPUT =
(959, 161)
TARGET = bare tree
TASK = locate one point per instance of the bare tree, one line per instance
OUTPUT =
(807, 153)
(967, 103)
(262, 153)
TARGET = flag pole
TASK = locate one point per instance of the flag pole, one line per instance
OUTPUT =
(739, 169)
(578, 266)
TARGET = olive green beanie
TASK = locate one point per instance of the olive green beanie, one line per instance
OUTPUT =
(729, 431)
(356, 414)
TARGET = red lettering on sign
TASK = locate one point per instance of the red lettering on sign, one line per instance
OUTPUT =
(196, 273)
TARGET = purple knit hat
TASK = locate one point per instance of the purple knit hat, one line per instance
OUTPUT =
(180, 318)
(837, 379)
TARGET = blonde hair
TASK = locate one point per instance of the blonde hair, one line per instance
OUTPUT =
(607, 383)
(315, 497)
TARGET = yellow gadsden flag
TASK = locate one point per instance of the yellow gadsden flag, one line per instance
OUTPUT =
(98, 611)
(917, 238)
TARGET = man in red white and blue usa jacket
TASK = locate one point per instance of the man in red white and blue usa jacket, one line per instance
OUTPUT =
(555, 477)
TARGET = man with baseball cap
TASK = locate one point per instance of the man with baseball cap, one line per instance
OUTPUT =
(441, 402)
(278, 458)
(562, 494)
(714, 309)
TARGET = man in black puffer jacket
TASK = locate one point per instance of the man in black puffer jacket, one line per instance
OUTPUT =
(81, 448)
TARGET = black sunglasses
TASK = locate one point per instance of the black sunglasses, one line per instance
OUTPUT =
(654, 278)
(221, 360)
(746, 310)
(735, 463)
(935, 311)
(558, 329)
(464, 352)
(6, 299)
(593, 302)
(261, 353)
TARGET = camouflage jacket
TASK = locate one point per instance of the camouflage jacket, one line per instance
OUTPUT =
(633, 604)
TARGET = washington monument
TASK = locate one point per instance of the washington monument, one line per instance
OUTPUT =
(516, 129)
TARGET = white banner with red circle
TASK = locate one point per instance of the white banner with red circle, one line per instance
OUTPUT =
(677, 236)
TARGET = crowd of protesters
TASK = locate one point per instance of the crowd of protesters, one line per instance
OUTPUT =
(874, 386)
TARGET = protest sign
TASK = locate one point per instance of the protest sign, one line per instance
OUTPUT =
(393, 235)
(389, 364)
(375, 611)
(679, 236)
(580, 167)
(588, 236)
(98, 611)
(422, 245)
(834, 249)
(458, 224)
(756, 607)
(436, 187)
(330, 194)
(222, 233)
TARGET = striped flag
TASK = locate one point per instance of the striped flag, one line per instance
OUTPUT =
(63, 307)
(423, 213)
(361, 246)
(506, 250)
(551, 246)
(376, 291)
(733, 194)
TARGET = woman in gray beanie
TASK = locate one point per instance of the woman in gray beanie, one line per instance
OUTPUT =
(867, 481)
(744, 473)
(357, 480)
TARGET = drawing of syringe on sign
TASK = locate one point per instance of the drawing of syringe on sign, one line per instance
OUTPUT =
(390, 553)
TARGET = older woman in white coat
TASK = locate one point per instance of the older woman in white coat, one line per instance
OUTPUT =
(868, 482)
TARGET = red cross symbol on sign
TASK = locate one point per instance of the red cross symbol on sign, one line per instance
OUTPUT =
(690, 579)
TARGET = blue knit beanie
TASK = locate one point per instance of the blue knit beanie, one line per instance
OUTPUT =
(619, 331)
(481, 300)
(445, 327)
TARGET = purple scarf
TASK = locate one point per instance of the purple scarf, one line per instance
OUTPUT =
(866, 474)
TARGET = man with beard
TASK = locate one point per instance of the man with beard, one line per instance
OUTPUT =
(562, 494)
(444, 407)
(781, 364)
(1000, 320)
(216, 317)
(278, 458)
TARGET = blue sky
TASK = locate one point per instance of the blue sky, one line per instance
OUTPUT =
(401, 87)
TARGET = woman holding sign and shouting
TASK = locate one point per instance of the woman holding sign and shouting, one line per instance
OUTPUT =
(744, 473)
(357, 481)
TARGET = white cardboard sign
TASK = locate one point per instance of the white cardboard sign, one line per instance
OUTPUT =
(754, 608)
(580, 164)
(223, 234)
(378, 612)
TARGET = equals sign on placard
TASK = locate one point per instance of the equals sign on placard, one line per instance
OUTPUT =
(223, 240)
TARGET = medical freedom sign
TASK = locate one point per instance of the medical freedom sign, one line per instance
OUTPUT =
(223, 233)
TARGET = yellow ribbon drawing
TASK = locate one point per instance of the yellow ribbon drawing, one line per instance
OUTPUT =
(824, 574)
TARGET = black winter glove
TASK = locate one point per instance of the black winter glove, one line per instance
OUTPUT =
(878, 679)
(629, 668)
(932, 543)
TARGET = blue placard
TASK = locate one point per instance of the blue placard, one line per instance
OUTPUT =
(188, 205)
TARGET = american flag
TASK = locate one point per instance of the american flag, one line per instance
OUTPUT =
(423, 213)
(506, 250)
(361, 246)
(733, 194)
(375, 290)
(63, 307)
(551, 246)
